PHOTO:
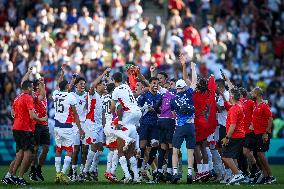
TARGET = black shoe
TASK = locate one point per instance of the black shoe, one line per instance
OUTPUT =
(33, 175)
(168, 177)
(14, 180)
(22, 182)
(7, 181)
(70, 173)
(175, 179)
(264, 180)
(254, 180)
(189, 179)
(270, 180)
(94, 176)
(39, 174)
(159, 177)
(154, 175)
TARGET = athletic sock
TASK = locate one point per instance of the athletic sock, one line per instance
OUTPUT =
(141, 159)
(89, 161)
(175, 170)
(114, 162)
(123, 163)
(8, 175)
(206, 167)
(66, 165)
(210, 160)
(199, 168)
(74, 168)
(82, 166)
(133, 164)
(161, 158)
(57, 164)
(170, 170)
(170, 160)
(95, 162)
(109, 161)
(189, 171)
(152, 155)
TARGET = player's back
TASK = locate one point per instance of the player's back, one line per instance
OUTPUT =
(107, 109)
(62, 104)
(125, 97)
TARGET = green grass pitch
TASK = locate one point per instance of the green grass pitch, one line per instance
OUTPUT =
(49, 174)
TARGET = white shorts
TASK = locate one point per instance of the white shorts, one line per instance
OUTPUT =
(93, 133)
(110, 137)
(76, 134)
(131, 118)
(63, 137)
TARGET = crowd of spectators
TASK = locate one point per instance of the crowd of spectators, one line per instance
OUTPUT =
(245, 38)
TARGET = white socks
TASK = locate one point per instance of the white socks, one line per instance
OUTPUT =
(123, 163)
(95, 162)
(57, 164)
(175, 170)
(210, 161)
(189, 171)
(109, 161)
(199, 168)
(170, 170)
(66, 165)
(114, 162)
(90, 158)
(133, 163)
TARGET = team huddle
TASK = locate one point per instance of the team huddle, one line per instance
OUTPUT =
(144, 123)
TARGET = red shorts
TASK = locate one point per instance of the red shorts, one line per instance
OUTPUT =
(112, 144)
(66, 148)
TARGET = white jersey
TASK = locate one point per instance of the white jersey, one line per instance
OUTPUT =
(107, 110)
(222, 116)
(81, 106)
(124, 96)
(95, 109)
(62, 104)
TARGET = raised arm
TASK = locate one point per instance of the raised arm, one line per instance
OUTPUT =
(42, 92)
(61, 76)
(27, 75)
(141, 77)
(184, 71)
(153, 71)
(193, 75)
(97, 80)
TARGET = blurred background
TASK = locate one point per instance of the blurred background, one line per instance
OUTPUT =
(245, 38)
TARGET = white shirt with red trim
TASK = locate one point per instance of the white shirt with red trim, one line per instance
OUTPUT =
(62, 104)
(81, 106)
(95, 110)
(107, 109)
(123, 95)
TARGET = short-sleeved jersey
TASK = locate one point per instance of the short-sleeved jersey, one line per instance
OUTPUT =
(62, 104)
(122, 94)
(182, 104)
(260, 117)
(236, 116)
(248, 110)
(166, 104)
(40, 108)
(81, 106)
(95, 109)
(221, 116)
(146, 100)
(21, 106)
(107, 109)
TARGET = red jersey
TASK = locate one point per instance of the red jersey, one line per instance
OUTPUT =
(260, 117)
(236, 116)
(40, 108)
(159, 58)
(248, 106)
(21, 106)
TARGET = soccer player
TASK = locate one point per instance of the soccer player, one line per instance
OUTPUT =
(82, 107)
(149, 130)
(94, 127)
(24, 115)
(262, 123)
(41, 134)
(232, 142)
(65, 114)
(111, 138)
(183, 107)
(123, 95)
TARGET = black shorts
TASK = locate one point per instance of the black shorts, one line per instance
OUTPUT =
(24, 140)
(201, 142)
(222, 134)
(262, 146)
(187, 133)
(250, 141)
(233, 149)
(148, 131)
(42, 136)
(167, 129)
